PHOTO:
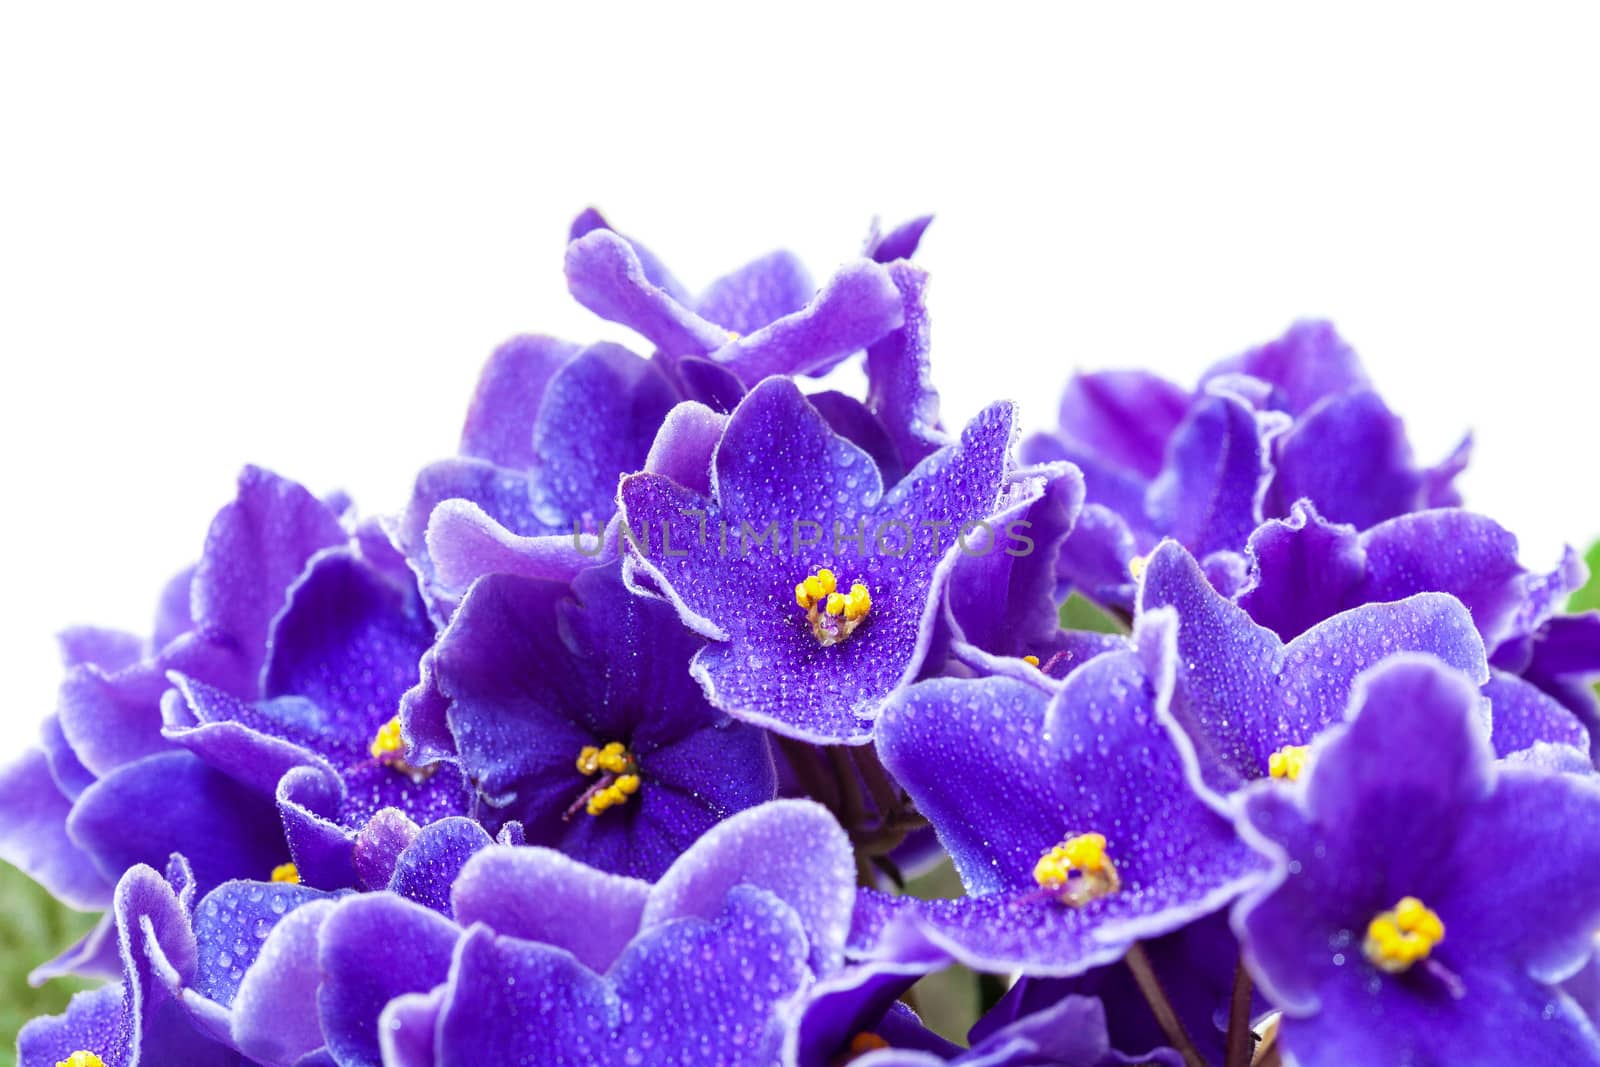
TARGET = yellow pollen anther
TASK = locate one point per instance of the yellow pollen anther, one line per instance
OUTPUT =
(815, 589)
(1032, 661)
(388, 743)
(1288, 762)
(619, 777)
(867, 1041)
(1136, 566)
(1078, 870)
(81, 1059)
(1402, 936)
(833, 615)
(286, 872)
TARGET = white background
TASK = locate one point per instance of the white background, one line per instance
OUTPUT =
(291, 234)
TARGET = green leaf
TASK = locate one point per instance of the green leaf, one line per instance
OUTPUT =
(1081, 613)
(33, 928)
(1588, 598)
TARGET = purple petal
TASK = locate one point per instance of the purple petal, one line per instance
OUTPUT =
(350, 643)
(759, 293)
(1349, 455)
(1003, 601)
(482, 1013)
(465, 543)
(112, 719)
(1525, 716)
(687, 442)
(225, 829)
(793, 849)
(899, 243)
(540, 895)
(605, 275)
(1123, 418)
(1309, 362)
(109, 650)
(1208, 495)
(275, 1016)
(858, 306)
(257, 546)
(378, 845)
(426, 869)
(654, 270)
(599, 417)
(900, 388)
(499, 427)
(373, 948)
(1306, 570)
(33, 835)
(230, 926)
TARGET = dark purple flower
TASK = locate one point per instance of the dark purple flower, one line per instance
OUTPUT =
(573, 712)
(325, 740)
(1306, 569)
(1250, 703)
(1067, 808)
(104, 753)
(1295, 418)
(816, 581)
(1426, 900)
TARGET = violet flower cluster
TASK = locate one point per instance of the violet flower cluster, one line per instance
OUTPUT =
(623, 742)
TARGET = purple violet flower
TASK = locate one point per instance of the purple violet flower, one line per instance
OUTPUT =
(104, 754)
(1294, 418)
(143, 1018)
(551, 427)
(574, 713)
(1306, 569)
(1068, 811)
(1250, 703)
(816, 581)
(697, 967)
(1426, 899)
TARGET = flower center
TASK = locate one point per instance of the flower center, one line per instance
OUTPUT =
(388, 748)
(286, 872)
(616, 775)
(1078, 871)
(1404, 935)
(1289, 762)
(833, 615)
(81, 1059)
(864, 1042)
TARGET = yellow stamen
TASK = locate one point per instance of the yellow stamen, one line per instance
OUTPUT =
(619, 776)
(81, 1059)
(866, 1041)
(1288, 762)
(388, 743)
(833, 615)
(286, 872)
(1078, 870)
(815, 589)
(1136, 566)
(1404, 935)
(1032, 661)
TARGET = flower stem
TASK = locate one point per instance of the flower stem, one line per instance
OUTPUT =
(1145, 975)
(1241, 1040)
